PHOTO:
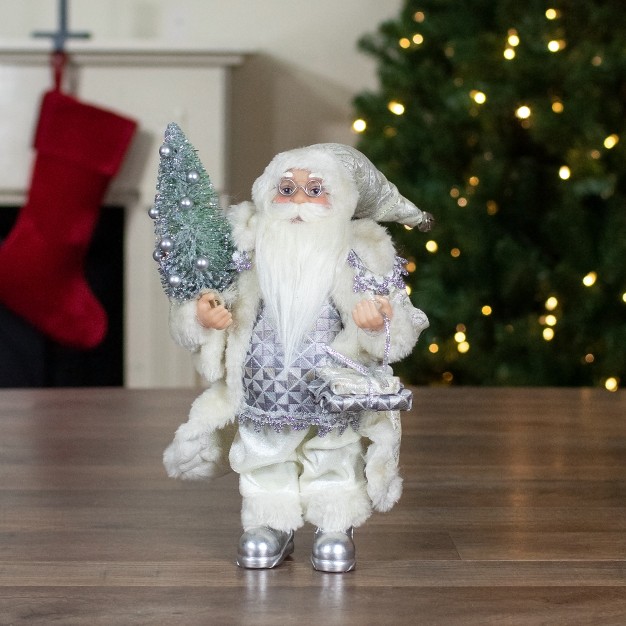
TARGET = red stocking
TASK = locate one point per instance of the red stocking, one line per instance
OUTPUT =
(79, 149)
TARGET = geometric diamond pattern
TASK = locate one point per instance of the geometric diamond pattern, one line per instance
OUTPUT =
(272, 388)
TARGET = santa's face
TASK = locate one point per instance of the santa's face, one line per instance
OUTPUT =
(300, 197)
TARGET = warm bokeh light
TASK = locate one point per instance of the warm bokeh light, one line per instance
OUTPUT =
(557, 106)
(589, 358)
(548, 334)
(433, 348)
(358, 126)
(486, 310)
(564, 172)
(550, 320)
(478, 97)
(411, 266)
(405, 43)
(459, 337)
(418, 39)
(397, 108)
(552, 14)
(455, 253)
(419, 16)
(509, 54)
(473, 181)
(611, 141)
(611, 384)
(590, 279)
(551, 303)
(523, 112)
(492, 207)
(432, 246)
(463, 347)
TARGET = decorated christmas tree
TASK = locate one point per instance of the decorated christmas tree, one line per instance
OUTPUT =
(505, 120)
(193, 247)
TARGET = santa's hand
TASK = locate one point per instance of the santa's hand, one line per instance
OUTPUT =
(211, 314)
(368, 314)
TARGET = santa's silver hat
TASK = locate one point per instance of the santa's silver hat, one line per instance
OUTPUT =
(379, 199)
(359, 182)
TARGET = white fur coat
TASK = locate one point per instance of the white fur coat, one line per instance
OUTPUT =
(200, 447)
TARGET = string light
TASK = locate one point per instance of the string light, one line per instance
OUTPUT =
(589, 358)
(548, 334)
(478, 97)
(474, 181)
(486, 310)
(513, 38)
(358, 126)
(611, 384)
(455, 253)
(459, 337)
(447, 377)
(463, 347)
(509, 54)
(550, 320)
(624, 297)
(462, 202)
(523, 112)
(552, 14)
(431, 246)
(590, 279)
(492, 207)
(454, 192)
(595, 154)
(390, 131)
(419, 17)
(409, 291)
(556, 45)
(404, 43)
(557, 106)
(418, 39)
(564, 172)
(611, 141)
(551, 303)
(596, 61)
(411, 266)
(397, 108)
(433, 348)
(407, 227)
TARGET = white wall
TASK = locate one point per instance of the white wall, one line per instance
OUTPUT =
(294, 90)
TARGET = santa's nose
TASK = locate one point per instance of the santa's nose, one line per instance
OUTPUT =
(299, 197)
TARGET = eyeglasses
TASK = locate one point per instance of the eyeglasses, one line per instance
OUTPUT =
(313, 188)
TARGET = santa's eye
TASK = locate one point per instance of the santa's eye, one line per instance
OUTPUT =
(287, 187)
(314, 188)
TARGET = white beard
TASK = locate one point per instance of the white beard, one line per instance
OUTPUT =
(296, 264)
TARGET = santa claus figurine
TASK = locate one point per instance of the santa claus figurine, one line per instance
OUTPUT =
(318, 271)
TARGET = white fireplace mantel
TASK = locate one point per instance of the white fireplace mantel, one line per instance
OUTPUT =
(154, 84)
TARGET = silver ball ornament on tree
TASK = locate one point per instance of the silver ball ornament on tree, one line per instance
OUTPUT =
(165, 150)
(193, 176)
(158, 255)
(166, 244)
(154, 213)
(174, 280)
(185, 203)
(202, 263)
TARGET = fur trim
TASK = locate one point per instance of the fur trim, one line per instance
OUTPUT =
(242, 218)
(337, 510)
(384, 484)
(281, 511)
(200, 446)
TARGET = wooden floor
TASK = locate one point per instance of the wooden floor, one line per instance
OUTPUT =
(514, 512)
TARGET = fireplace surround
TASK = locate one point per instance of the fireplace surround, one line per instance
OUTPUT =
(154, 84)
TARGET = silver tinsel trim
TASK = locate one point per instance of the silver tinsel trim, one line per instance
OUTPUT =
(364, 280)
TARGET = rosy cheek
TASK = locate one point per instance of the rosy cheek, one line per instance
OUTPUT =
(280, 199)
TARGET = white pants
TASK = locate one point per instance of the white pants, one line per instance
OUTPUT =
(293, 476)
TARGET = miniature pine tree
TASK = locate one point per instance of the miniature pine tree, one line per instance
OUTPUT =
(194, 247)
(505, 119)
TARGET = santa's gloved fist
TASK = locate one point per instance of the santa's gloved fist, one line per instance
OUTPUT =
(210, 313)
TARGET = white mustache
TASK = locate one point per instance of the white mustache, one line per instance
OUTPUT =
(305, 212)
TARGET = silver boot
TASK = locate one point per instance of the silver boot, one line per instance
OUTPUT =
(333, 551)
(263, 547)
